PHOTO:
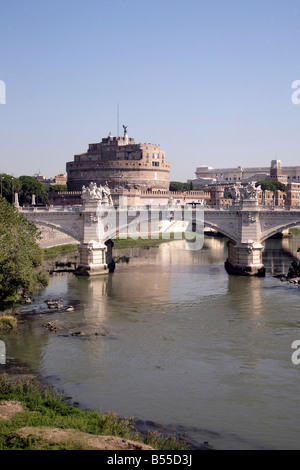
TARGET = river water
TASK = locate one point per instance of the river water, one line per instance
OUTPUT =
(186, 346)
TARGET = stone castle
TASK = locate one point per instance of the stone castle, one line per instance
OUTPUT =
(124, 164)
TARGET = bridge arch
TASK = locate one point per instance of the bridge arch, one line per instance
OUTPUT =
(144, 225)
(221, 230)
(59, 229)
(108, 235)
(274, 230)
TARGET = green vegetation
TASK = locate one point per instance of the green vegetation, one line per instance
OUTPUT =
(56, 188)
(53, 252)
(20, 256)
(7, 322)
(25, 186)
(42, 407)
(122, 259)
(269, 185)
(294, 270)
(30, 186)
(120, 243)
(177, 186)
(9, 186)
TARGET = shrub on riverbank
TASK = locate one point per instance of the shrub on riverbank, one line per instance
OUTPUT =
(294, 270)
(44, 409)
(7, 322)
(20, 256)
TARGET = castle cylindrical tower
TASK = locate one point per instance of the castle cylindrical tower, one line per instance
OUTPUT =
(122, 163)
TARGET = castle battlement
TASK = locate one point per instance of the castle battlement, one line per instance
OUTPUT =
(122, 163)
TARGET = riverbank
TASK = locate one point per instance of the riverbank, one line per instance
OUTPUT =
(64, 258)
(35, 417)
(165, 329)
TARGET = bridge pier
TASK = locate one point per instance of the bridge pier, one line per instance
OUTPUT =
(245, 259)
(94, 259)
(245, 223)
(95, 256)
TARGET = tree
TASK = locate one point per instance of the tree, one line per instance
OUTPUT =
(31, 186)
(269, 185)
(20, 256)
(9, 185)
(56, 188)
(177, 186)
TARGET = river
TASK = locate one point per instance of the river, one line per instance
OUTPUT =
(184, 345)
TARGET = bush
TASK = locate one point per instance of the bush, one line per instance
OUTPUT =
(7, 322)
(20, 256)
(294, 270)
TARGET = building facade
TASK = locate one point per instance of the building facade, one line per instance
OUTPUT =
(121, 163)
(206, 175)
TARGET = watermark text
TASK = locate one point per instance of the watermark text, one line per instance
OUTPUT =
(296, 94)
(2, 92)
(151, 222)
(2, 353)
(296, 354)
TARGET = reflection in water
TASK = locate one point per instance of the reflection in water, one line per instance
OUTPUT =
(250, 295)
(188, 345)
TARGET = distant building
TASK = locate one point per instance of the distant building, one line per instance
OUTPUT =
(42, 179)
(206, 175)
(276, 172)
(293, 194)
(122, 163)
(60, 179)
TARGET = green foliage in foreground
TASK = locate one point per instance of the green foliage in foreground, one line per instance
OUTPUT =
(44, 407)
(20, 256)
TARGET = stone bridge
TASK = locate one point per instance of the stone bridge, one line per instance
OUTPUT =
(246, 224)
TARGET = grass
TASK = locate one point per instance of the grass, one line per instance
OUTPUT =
(46, 408)
(120, 243)
(7, 322)
(53, 252)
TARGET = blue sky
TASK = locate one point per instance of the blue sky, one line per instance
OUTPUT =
(208, 80)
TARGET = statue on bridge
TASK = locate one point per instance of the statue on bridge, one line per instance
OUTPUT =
(106, 193)
(93, 192)
(248, 192)
(235, 193)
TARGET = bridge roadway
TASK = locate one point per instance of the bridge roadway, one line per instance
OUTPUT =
(94, 224)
